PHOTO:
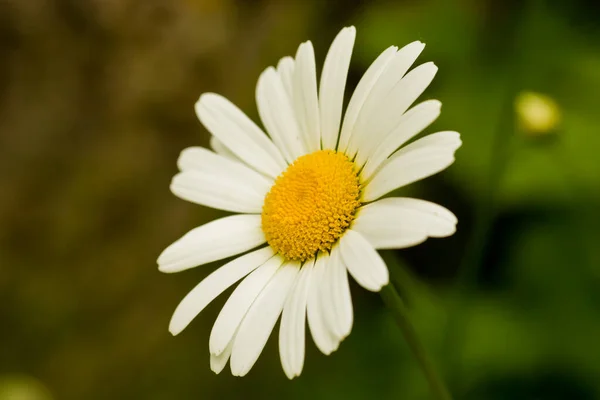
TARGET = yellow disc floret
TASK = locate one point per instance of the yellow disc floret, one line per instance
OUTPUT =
(311, 204)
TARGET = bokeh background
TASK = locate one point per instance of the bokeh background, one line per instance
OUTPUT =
(96, 102)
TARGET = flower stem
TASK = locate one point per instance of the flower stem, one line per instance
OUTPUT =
(393, 301)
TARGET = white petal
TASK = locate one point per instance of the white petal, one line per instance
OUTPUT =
(213, 241)
(277, 114)
(285, 69)
(305, 100)
(324, 338)
(361, 93)
(219, 148)
(293, 324)
(333, 84)
(410, 124)
(363, 262)
(204, 160)
(366, 124)
(389, 109)
(258, 323)
(239, 303)
(400, 222)
(221, 191)
(418, 160)
(339, 289)
(218, 362)
(438, 139)
(239, 134)
(324, 272)
(215, 181)
(215, 284)
(201, 159)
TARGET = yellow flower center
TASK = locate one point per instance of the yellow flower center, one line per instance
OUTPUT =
(311, 204)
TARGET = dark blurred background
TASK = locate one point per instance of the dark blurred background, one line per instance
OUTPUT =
(96, 102)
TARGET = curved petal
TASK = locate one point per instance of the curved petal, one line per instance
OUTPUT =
(285, 69)
(364, 87)
(255, 329)
(277, 114)
(238, 304)
(325, 295)
(218, 147)
(363, 262)
(399, 222)
(338, 289)
(201, 159)
(218, 182)
(220, 191)
(221, 238)
(305, 99)
(333, 84)
(218, 362)
(393, 73)
(325, 339)
(215, 284)
(293, 326)
(418, 160)
(411, 124)
(239, 134)
(390, 108)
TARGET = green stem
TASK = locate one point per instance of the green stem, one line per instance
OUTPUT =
(581, 199)
(393, 301)
(486, 210)
(485, 213)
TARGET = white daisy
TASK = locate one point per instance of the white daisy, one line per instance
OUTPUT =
(308, 197)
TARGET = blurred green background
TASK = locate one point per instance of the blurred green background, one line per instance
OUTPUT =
(96, 102)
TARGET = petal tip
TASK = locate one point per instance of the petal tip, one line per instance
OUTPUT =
(430, 65)
(417, 45)
(237, 370)
(174, 329)
(289, 374)
(165, 268)
(208, 97)
(285, 61)
(162, 259)
(304, 46)
(349, 30)
(267, 74)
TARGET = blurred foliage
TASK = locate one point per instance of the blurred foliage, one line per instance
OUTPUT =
(96, 101)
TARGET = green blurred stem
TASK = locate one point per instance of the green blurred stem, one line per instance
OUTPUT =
(580, 197)
(485, 214)
(404, 282)
(486, 210)
(393, 301)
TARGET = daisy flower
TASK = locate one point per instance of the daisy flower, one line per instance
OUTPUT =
(308, 199)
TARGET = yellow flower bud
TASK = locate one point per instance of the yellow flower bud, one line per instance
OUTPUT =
(537, 114)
